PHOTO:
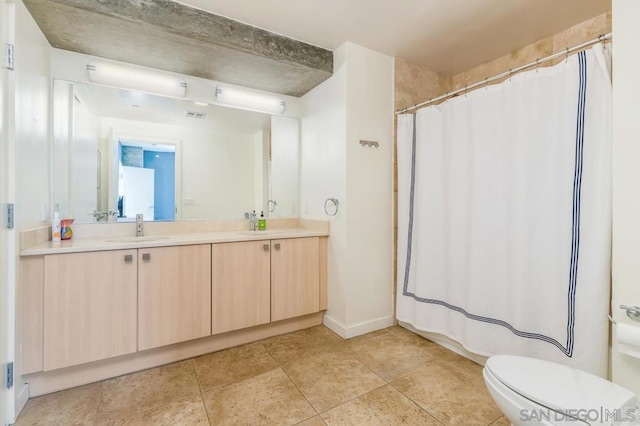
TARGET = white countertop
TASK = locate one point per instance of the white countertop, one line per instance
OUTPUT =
(76, 245)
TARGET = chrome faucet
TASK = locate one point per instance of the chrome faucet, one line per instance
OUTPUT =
(253, 220)
(139, 229)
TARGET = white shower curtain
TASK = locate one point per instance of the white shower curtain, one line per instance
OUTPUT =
(504, 215)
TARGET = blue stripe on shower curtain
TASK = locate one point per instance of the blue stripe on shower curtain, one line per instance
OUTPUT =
(575, 237)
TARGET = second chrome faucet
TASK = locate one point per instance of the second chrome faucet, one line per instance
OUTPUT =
(253, 220)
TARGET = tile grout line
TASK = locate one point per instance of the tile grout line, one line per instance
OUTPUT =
(352, 399)
(302, 394)
(419, 407)
(351, 353)
(204, 405)
(234, 381)
(294, 385)
(104, 383)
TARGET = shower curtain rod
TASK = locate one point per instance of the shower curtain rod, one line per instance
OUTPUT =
(509, 73)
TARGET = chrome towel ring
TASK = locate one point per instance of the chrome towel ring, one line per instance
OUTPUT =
(331, 211)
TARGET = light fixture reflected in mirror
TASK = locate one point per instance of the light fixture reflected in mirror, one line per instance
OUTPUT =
(249, 100)
(133, 78)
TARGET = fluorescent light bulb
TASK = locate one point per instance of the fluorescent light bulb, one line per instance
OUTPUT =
(126, 77)
(249, 100)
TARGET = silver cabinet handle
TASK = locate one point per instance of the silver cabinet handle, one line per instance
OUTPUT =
(128, 258)
(146, 256)
(277, 246)
(633, 312)
(265, 247)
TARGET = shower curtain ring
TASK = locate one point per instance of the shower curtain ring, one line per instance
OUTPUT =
(486, 83)
(537, 64)
(566, 58)
(510, 73)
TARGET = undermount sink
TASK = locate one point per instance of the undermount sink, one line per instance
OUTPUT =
(258, 233)
(138, 239)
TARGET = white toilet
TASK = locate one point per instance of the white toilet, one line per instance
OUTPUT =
(531, 391)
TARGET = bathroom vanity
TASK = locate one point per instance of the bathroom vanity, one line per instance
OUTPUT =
(109, 303)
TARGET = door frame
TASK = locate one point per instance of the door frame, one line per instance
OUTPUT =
(113, 161)
(7, 236)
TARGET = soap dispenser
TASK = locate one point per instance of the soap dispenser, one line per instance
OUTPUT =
(55, 227)
(262, 222)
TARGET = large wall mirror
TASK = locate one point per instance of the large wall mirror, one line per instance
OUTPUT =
(117, 153)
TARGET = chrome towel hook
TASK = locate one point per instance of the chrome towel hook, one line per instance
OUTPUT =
(331, 211)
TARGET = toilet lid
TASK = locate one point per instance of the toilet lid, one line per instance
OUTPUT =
(557, 386)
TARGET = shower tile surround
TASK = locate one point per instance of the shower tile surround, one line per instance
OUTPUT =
(414, 83)
(309, 377)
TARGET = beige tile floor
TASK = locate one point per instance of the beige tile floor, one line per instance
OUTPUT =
(311, 377)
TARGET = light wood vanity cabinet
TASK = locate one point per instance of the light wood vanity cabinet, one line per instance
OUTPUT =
(295, 277)
(240, 285)
(174, 294)
(89, 306)
(257, 282)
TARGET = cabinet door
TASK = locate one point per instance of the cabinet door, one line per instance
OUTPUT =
(295, 277)
(240, 285)
(174, 294)
(89, 306)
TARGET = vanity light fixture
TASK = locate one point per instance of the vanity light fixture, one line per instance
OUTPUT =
(127, 77)
(199, 103)
(249, 100)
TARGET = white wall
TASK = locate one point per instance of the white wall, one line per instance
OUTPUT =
(323, 174)
(355, 103)
(32, 142)
(211, 160)
(626, 177)
(369, 186)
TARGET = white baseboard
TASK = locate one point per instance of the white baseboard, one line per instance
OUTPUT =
(334, 326)
(358, 329)
(21, 400)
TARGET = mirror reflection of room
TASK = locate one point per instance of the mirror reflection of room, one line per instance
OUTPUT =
(146, 180)
(118, 153)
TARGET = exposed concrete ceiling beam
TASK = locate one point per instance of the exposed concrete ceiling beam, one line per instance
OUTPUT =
(170, 36)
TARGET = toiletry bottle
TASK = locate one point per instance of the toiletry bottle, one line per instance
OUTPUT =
(262, 222)
(55, 227)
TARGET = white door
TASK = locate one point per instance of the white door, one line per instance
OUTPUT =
(138, 191)
(626, 184)
(6, 236)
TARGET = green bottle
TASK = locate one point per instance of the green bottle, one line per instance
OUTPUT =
(262, 222)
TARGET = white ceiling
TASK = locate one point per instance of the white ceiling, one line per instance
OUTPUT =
(449, 36)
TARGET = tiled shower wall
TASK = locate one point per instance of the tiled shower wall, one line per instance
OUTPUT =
(414, 83)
